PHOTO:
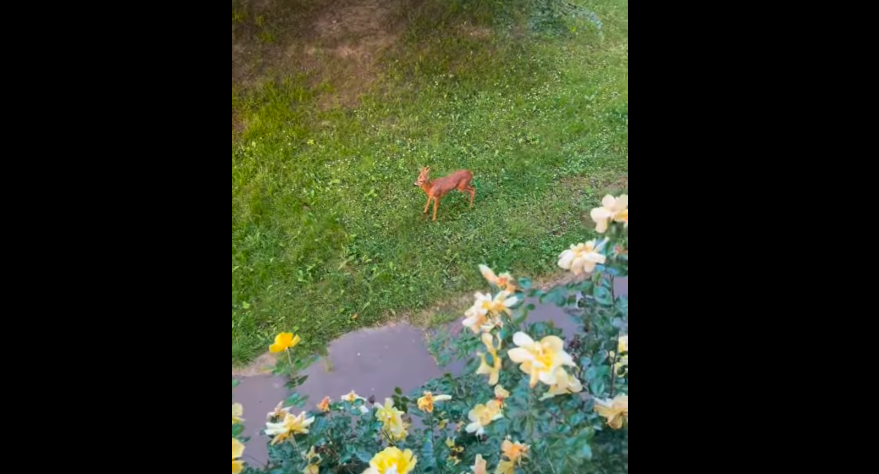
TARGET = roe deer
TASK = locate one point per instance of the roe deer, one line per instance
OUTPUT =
(438, 188)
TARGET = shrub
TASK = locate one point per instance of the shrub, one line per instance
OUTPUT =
(528, 401)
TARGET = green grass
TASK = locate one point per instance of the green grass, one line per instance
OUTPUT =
(328, 233)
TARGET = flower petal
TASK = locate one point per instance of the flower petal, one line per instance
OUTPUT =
(609, 201)
(237, 449)
(488, 274)
(565, 259)
(520, 355)
(523, 340)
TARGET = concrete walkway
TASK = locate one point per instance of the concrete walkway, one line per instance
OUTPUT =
(370, 362)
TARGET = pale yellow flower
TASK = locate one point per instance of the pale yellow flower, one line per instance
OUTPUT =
(514, 451)
(426, 402)
(477, 317)
(324, 405)
(353, 397)
(392, 420)
(616, 411)
(624, 344)
(289, 426)
(392, 461)
(237, 413)
(387, 412)
(616, 209)
(484, 315)
(237, 452)
(493, 372)
(582, 258)
(502, 303)
(284, 341)
(565, 384)
(483, 415)
(481, 467)
(540, 360)
(504, 281)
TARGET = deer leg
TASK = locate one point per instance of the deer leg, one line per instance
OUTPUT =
(435, 202)
(472, 195)
(427, 206)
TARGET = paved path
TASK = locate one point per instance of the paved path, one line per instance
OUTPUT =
(370, 362)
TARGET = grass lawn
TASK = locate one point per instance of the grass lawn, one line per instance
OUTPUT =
(336, 105)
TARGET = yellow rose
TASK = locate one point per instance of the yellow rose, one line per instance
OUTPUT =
(514, 451)
(616, 411)
(237, 452)
(289, 426)
(582, 258)
(392, 420)
(484, 315)
(616, 209)
(353, 397)
(392, 461)
(237, 413)
(565, 385)
(540, 360)
(504, 281)
(482, 416)
(426, 402)
(324, 405)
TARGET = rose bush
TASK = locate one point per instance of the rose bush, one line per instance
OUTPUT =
(530, 400)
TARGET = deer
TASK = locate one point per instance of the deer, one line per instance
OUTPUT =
(439, 187)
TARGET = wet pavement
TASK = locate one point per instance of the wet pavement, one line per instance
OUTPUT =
(371, 362)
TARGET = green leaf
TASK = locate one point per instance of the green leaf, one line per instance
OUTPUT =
(364, 456)
(428, 454)
(603, 296)
(586, 452)
(598, 387)
(525, 283)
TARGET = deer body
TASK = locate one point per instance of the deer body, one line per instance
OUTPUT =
(439, 187)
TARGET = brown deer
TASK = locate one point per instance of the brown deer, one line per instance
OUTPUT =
(439, 187)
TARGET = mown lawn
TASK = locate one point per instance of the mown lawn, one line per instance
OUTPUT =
(328, 233)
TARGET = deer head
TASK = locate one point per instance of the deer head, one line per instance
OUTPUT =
(424, 177)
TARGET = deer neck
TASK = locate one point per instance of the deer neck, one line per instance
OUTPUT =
(427, 186)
